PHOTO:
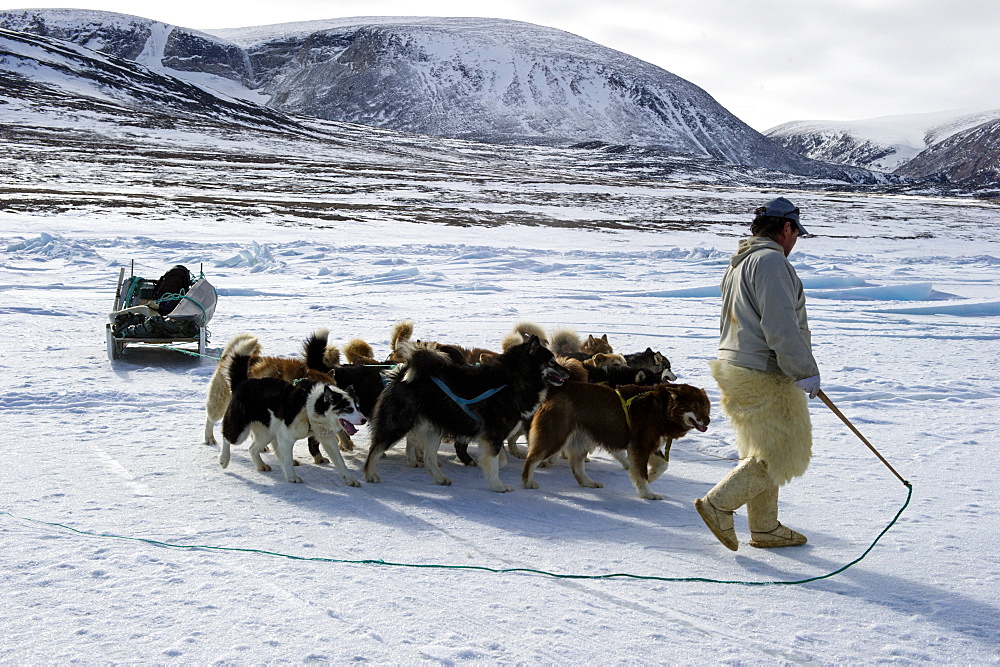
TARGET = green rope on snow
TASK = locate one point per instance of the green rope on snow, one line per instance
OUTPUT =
(189, 352)
(481, 568)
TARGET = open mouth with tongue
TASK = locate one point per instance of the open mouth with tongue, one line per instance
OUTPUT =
(348, 427)
(555, 376)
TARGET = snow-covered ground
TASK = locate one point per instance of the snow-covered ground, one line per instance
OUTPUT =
(904, 299)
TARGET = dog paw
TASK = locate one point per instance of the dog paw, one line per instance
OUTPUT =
(502, 488)
(295, 480)
(591, 484)
(651, 496)
(347, 448)
(320, 460)
(372, 478)
(263, 467)
(350, 481)
(531, 485)
(444, 481)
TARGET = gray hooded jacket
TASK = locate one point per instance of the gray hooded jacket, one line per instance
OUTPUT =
(763, 324)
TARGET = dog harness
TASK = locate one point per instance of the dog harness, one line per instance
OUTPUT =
(464, 403)
(626, 403)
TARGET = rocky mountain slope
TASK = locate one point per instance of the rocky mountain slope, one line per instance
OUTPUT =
(954, 147)
(84, 131)
(483, 79)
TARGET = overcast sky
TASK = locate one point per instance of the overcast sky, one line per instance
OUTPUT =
(766, 61)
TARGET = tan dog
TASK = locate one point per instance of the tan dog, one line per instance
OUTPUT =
(604, 360)
(594, 346)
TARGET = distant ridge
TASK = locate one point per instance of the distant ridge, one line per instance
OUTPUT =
(488, 80)
(961, 147)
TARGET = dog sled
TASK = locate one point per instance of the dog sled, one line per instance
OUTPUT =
(174, 309)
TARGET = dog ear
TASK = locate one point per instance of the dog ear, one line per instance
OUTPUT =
(605, 338)
(533, 344)
(640, 376)
(649, 350)
(324, 401)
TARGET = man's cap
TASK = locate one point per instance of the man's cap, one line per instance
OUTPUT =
(784, 209)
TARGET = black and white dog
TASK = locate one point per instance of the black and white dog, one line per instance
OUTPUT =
(653, 363)
(430, 397)
(363, 381)
(275, 411)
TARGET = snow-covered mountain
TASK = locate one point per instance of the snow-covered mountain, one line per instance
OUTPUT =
(483, 79)
(955, 146)
(45, 77)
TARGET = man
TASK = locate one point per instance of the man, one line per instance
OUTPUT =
(765, 364)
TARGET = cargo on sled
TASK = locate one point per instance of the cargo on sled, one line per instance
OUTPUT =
(174, 309)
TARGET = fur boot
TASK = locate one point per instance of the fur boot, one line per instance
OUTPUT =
(745, 482)
(765, 529)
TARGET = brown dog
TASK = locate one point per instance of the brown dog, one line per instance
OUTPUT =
(579, 416)
(594, 346)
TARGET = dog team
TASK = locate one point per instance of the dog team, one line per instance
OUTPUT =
(567, 395)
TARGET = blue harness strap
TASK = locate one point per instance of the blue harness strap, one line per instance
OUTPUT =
(464, 403)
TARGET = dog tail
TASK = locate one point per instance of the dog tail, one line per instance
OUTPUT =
(239, 370)
(317, 354)
(358, 351)
(241, 343)
(565, 341)
(577, 371)
(522, 332)
(401, 333)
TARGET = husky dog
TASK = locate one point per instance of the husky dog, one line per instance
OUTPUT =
(615, 375)
(289, 370)
(431, 397)
(580, 416)
(653, 363)
(594, 346)
(605, 360)
(277, 411)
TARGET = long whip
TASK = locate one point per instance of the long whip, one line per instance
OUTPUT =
(826, 399)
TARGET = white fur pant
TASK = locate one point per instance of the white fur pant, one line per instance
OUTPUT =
(770, 416)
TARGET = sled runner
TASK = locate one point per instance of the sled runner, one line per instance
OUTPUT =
(174, 309)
